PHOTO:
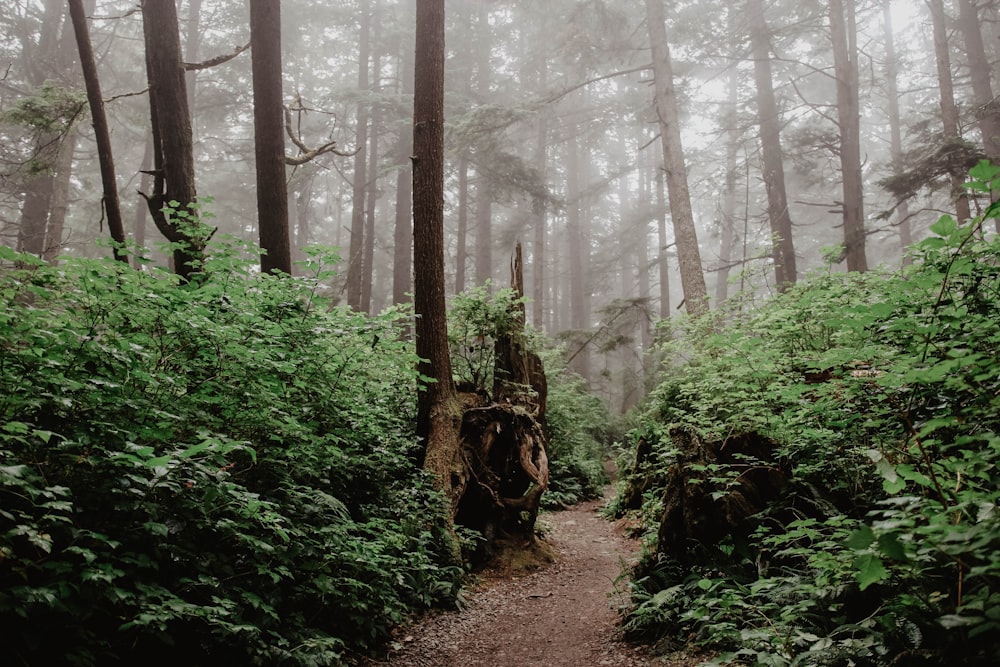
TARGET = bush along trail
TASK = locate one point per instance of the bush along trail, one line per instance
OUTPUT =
(817, 479)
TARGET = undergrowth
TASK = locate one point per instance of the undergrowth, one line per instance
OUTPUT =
(882, 393)
(211, 474)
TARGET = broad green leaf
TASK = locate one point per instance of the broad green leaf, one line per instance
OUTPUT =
(861, 539)
(944, 226)
(870, 570)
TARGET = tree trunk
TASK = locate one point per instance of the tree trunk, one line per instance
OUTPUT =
(371, 178)
(112, 206)
(772, 157)
(987, 107)
(484, 189)
(949, 109)
(844, 34)
(438, 417)
(688, 253)
(484, 228)
(538, 221)
(579, 317)
(462, 233)
(895, 128)
(356, 255)
(192, 43)
(269, 137)
(59, 203)
(733, 137)
(663, 265)
(402, 278)
(141, 210)
(173, 203)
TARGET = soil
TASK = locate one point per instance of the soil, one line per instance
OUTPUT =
(555, 606)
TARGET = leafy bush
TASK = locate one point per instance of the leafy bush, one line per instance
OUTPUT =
(883, 394)
(211, 474)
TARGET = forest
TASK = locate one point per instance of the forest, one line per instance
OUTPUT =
(311, 309)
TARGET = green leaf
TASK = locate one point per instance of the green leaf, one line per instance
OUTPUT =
(890, 546)
(861, 539)
(870, 570)
(945, 226)
(158, 462)
(984, 172)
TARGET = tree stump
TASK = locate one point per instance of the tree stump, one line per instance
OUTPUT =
(503, 441)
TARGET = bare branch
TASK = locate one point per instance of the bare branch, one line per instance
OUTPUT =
(307, 154)
(218, 60)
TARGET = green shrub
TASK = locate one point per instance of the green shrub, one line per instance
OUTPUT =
(220, 473)
(883, 393)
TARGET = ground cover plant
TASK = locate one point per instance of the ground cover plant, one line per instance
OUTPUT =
(872, 402)
(214, 473)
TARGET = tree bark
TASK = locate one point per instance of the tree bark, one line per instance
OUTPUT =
(356, 255)
(173, 203)
(484, 189)
(987, 107)
(269, 137)
(772, 157)
(895, 127)
(371, 176)
(949, 109)
(688, 252)
(662, 263)
(538, 219)
(462, 232)
(438, 417)
(109, 181)
(579, 318)
(59, 203)
(402, 277)
(844, 34)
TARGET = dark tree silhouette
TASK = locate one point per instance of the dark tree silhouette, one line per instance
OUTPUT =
(269, 136)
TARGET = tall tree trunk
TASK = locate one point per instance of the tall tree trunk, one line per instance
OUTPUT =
(462, 232)
(269, 137)
(663, 265)
(192, 42)
(688, 253)
(141, 210)
(170, 117)
(575, 244)
(539, 206)
(59, 203)
(402, 276)
(484, 189)
(112, 207)
(772, 157)
(356, 256)
(438, 418)
(538, 221)
(51, 56)
(371, 175)
(733, 137)
(844, 34)
(987, 107)
(484, 228)
(895, 127)
(949, 109)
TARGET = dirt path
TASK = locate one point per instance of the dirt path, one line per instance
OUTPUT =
(561, 615)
